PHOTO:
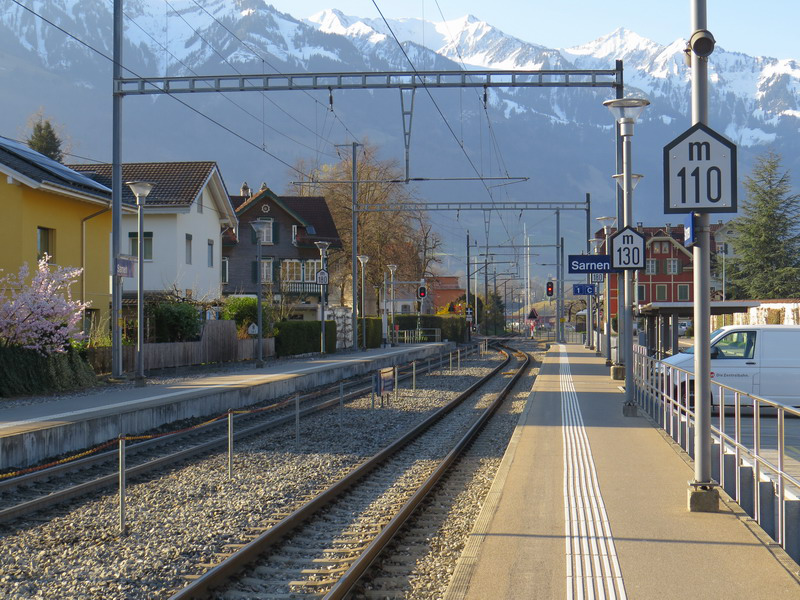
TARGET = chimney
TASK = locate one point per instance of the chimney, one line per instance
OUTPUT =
(263, 186)
(639, 226)
(245, 191)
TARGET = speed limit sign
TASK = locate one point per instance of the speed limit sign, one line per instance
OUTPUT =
(627, 249)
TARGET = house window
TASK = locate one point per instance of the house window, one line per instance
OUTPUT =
(673, 266)
(266, 270)
(722, 248)
(188, 248)
(291, 270)
(45, 243)
(312, 266)
(661, 293)
(210, 253)
(641, 292)
(266, 235)
(147, 244)
(224, 269)
(294, 235)
(651, 266)
(200, 205)
(683, 292)
(665, 247)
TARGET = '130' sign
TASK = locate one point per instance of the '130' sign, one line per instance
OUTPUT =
(700, 172)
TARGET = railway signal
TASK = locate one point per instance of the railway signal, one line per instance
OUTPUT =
(549, 288)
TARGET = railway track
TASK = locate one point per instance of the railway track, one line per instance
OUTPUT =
(36, 492)
(324, 547)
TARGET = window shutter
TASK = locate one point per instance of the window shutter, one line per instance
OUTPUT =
(276, 270)
(254, 271)
(275, 229)
(253, 238)
(679, 270)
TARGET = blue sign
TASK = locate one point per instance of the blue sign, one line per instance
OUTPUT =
(688, 231)
(584, 289)
(589, 263)
(124, 267)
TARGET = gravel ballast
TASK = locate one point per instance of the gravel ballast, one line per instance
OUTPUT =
(184, 516)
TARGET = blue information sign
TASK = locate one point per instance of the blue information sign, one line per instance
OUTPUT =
(589, 263)
(584, 289)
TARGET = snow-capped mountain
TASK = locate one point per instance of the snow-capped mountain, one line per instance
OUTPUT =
(561, 139)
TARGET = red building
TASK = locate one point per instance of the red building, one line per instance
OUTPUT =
(444, 290)
(667, 276)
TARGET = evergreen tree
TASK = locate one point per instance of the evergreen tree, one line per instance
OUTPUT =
(766, 237)
(44, 139)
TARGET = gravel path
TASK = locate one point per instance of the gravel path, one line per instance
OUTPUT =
(188, 514)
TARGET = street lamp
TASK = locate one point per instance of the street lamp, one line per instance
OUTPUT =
(140, 189)
(626, 111)
(363, 259)
(392, 269)
(323, 255)
(607, 223)
(260, 227)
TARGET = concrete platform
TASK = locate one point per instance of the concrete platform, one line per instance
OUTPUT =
(32, 433)
(590, 504)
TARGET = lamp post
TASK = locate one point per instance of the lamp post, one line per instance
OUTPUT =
(607, 223)
(392, 269)
(140, 189)
(260, 227)
(363, 259)
(626, 111)
(323, 255)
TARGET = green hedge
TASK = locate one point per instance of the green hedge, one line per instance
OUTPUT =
(25, 372)
(374, 332)
(302, 337)
(454, 327)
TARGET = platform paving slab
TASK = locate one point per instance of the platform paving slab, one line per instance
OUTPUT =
(517, 549)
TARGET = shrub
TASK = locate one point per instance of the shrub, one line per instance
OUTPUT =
(453, 327)
(374, 332)
(244, 311)
(24, 372)
(302, 337)
(176, 322)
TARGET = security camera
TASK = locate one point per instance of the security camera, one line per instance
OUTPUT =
(702, 43)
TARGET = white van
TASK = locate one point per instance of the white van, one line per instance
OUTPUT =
(763, 360)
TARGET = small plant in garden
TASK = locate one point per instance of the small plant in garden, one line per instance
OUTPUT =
(40, 315)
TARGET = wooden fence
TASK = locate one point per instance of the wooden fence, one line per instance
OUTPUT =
(218, 344)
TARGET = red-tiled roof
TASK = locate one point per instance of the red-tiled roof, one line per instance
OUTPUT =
(176, 183)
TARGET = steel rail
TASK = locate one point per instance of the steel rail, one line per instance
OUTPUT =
(202, 586)
(352, 576)
(110, 480)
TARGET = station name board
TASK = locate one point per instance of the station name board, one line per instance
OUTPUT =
(590, 263)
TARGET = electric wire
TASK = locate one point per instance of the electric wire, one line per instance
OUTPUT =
(132, 72)
(274, 68)
(264, 95)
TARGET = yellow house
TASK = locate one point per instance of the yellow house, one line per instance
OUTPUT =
(47, 208)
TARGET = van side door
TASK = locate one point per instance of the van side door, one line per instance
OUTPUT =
(734, 363)
(780, 366)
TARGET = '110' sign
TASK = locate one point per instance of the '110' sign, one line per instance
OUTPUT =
(700, 172)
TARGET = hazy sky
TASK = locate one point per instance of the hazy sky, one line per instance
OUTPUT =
(765, 28)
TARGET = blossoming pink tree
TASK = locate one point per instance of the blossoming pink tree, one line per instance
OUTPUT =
(40, 315)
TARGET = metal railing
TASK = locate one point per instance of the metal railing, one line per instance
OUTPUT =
(750, 456)
(416, 336)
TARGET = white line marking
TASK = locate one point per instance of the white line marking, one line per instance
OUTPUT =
(592, 566)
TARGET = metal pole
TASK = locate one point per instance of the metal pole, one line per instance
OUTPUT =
(323, 255)
(607, 305)
(558, 277)
(230, 444)
(123, 528)
(620, 201)
(589, 302)
(414, 375)
(297, 421)
(140, 295)
(702, 495)
(466, 303)
(354, 252)
(363, 306)
(393, 328)
(627, 294)
(259, 291)
(116, 196)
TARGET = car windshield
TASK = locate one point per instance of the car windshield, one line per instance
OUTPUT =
(713, 336)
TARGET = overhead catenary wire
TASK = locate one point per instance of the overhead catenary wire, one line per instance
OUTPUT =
(238, 72)
(273, 67)
(132, 72)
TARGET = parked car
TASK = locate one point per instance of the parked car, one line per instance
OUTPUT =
(683, 326)
(761, 360)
